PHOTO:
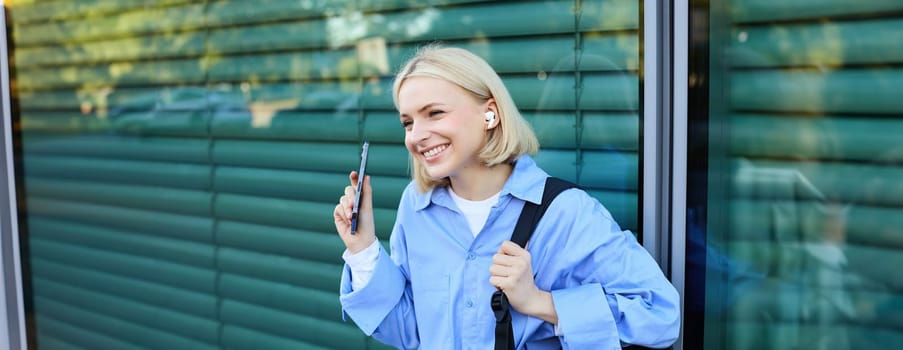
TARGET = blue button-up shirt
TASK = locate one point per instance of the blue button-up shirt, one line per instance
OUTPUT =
(434, 291)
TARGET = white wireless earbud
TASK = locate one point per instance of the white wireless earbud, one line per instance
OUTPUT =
(490, 118)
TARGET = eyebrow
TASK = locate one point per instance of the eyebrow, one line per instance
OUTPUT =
(425, 107)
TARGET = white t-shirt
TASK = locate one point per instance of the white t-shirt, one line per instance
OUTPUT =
(476, 212)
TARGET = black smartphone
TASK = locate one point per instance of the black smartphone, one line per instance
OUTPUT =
(360, 186)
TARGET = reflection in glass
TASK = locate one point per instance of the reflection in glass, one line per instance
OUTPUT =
(794, 233)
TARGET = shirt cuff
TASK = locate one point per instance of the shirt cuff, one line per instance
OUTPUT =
(585, 318)
(362, 264)
(370, 305)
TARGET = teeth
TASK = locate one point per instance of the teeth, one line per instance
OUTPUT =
(434, 151)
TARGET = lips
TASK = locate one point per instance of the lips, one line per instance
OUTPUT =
(432, 152)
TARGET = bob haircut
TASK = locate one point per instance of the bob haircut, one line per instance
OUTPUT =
(510, 139)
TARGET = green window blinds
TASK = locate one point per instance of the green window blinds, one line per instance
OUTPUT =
(181, 159)
(812, 109)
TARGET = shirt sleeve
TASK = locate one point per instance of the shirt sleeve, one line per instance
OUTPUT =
(383, 307)
(615, 293)
(362, 264)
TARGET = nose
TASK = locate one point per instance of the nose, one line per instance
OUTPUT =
(419, 132)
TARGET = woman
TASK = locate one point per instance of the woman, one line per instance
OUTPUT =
(581, 284)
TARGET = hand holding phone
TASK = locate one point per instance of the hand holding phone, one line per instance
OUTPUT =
(360, 185)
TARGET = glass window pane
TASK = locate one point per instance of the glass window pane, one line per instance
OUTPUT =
(795, 198)
(181, 158)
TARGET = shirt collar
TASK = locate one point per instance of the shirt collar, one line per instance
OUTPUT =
(526, 183)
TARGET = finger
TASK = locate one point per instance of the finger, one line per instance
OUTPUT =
(499, 271)
(340, 217)
(499, 283)
(511, 248)
(347, 206)
(338, 213)
(352, 177)
(504, 260)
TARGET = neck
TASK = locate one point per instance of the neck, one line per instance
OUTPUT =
(481, 183)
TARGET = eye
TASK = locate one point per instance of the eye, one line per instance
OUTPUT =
(406, 124)
(436, 112)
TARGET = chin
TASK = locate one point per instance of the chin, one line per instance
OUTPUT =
(435, 175)
(438, 171)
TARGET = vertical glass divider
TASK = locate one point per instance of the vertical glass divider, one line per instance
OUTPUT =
(678, 202)
(651, 111)
(12, 324)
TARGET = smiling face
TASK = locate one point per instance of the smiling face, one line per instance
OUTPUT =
(444, 126)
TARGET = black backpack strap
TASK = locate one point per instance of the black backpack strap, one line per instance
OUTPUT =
(531, 213)
(526, 224)
(504, 334)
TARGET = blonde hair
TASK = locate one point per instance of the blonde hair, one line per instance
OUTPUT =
(510, 139)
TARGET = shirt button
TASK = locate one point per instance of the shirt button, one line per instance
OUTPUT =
(471, 256)
(468, 303)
